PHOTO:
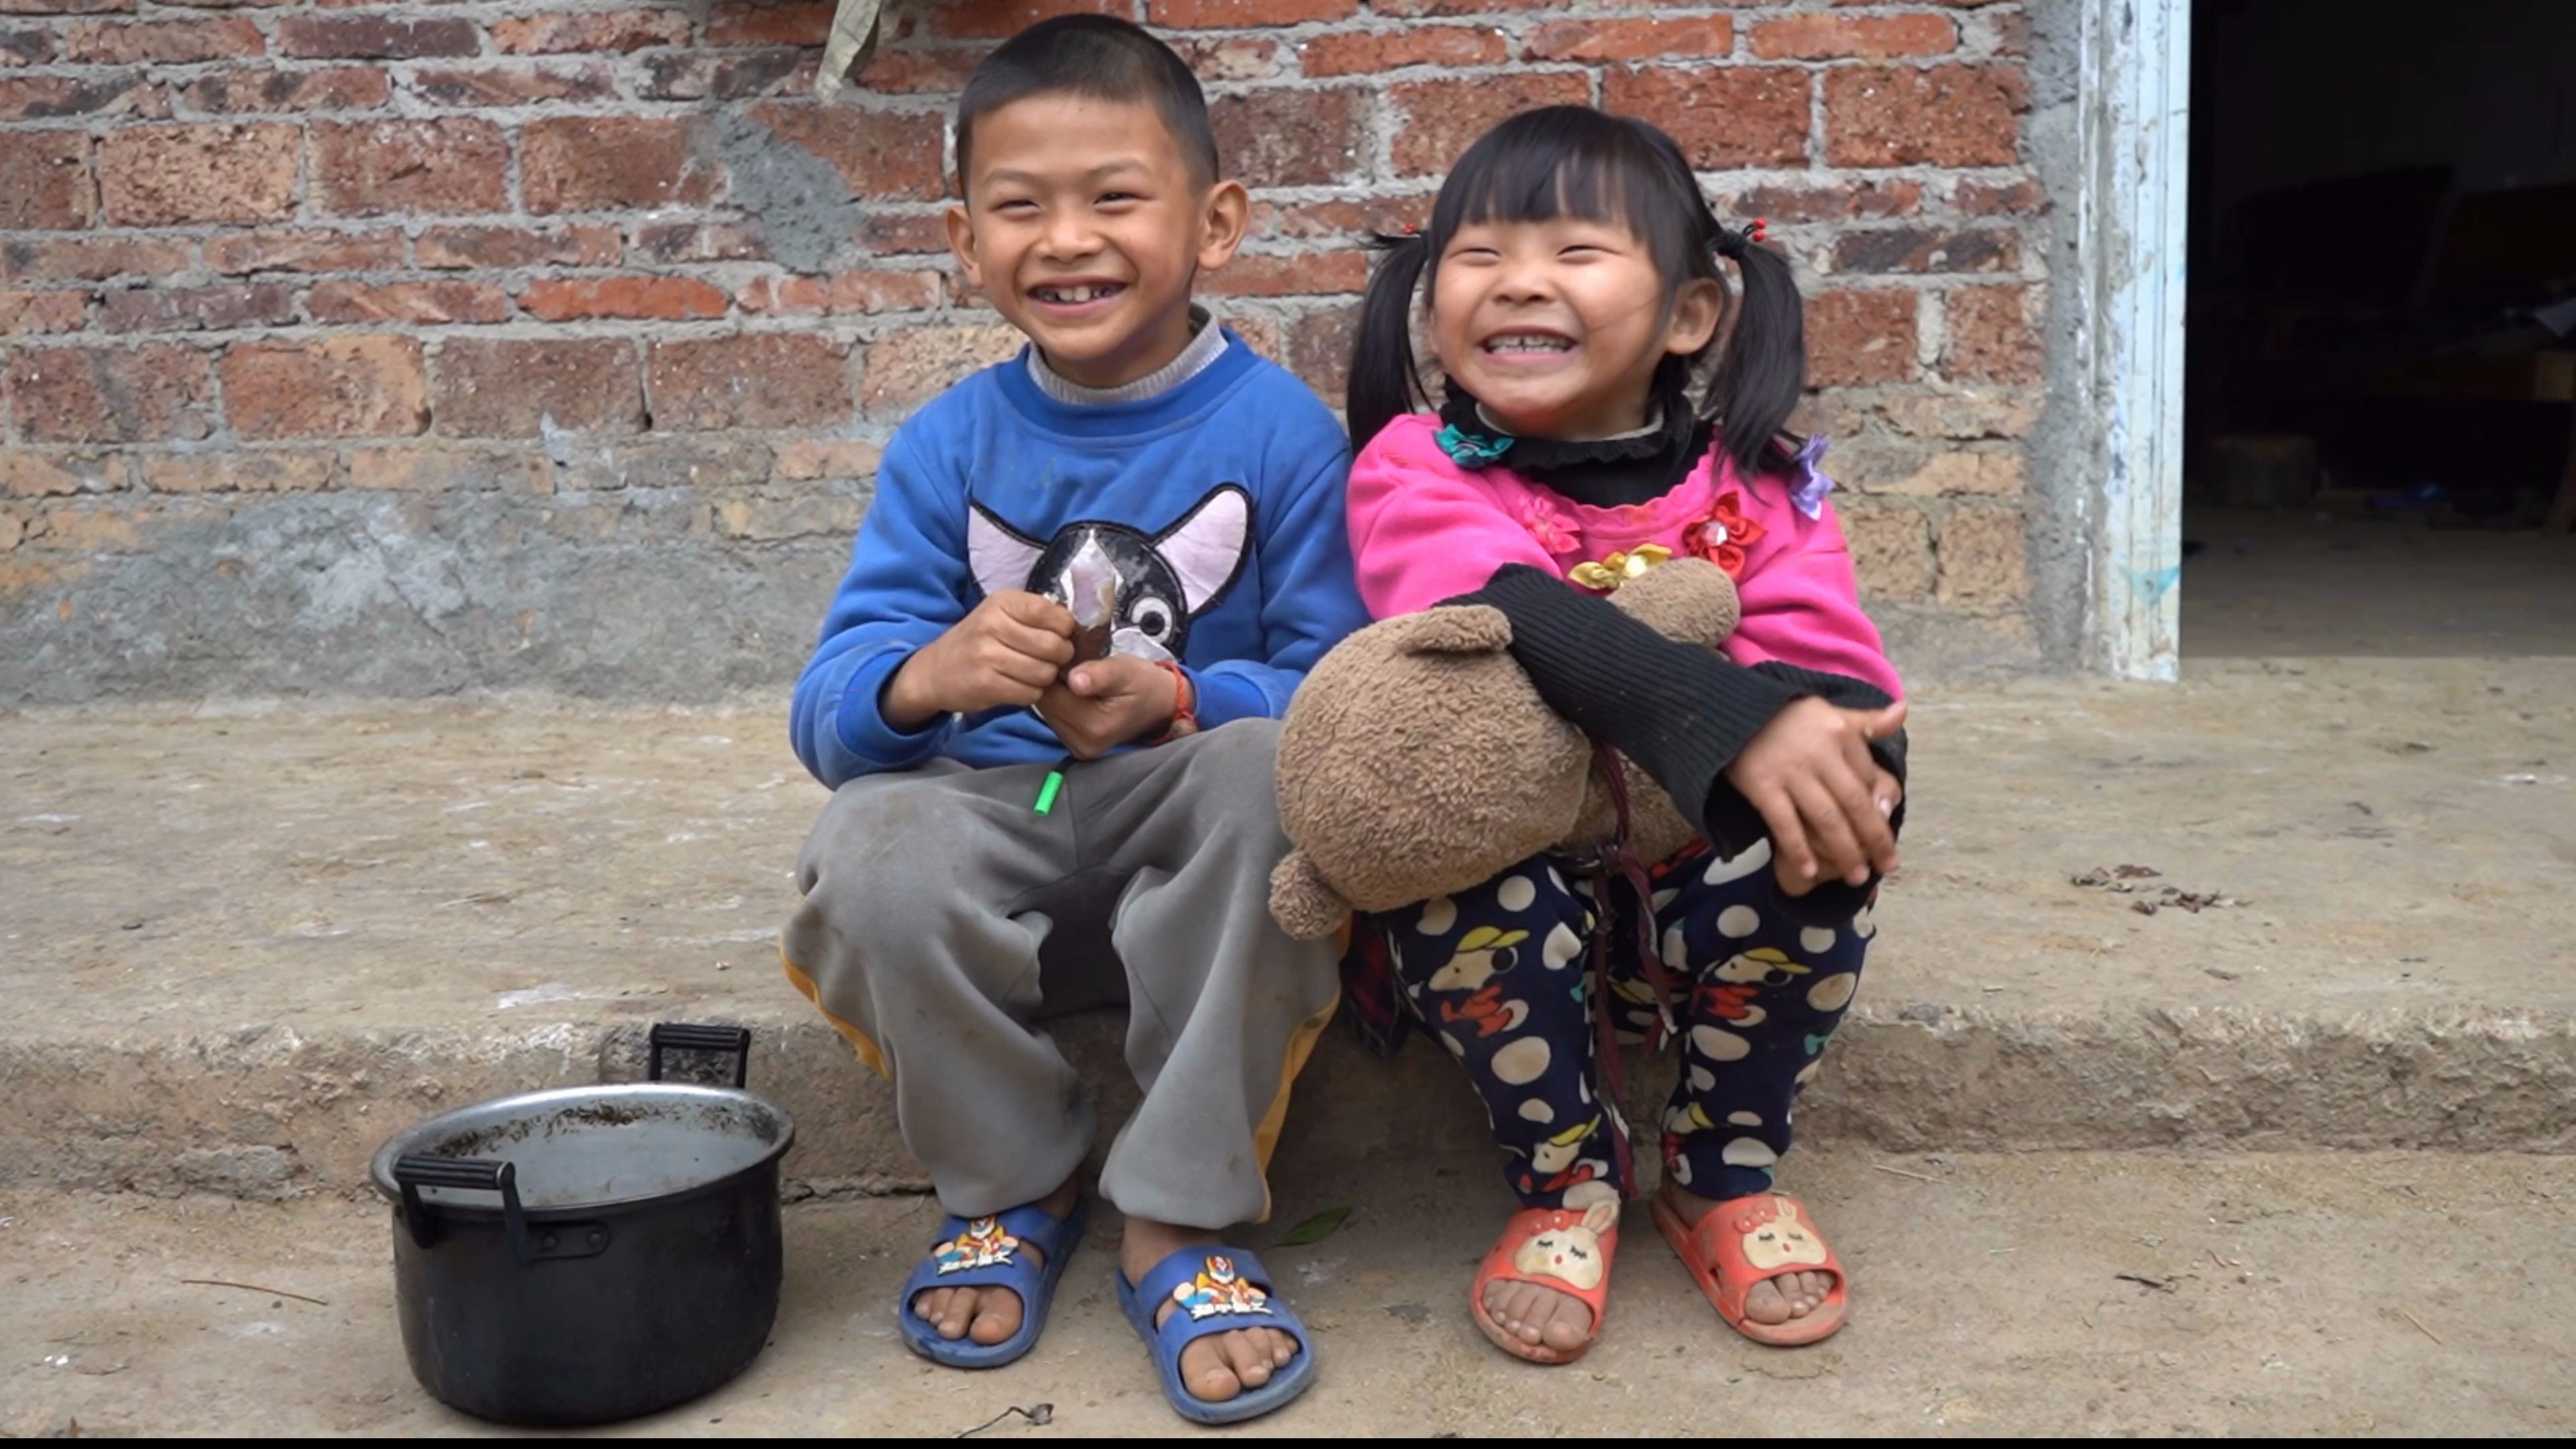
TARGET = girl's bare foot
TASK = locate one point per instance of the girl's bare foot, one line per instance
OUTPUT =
(1538, 1314)
(987, 1314)
(1773, 1300)
(1221, 1365)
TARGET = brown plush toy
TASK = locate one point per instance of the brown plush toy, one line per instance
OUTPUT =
(1418, 761)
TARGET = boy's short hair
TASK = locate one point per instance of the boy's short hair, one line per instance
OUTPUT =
(1100, 57)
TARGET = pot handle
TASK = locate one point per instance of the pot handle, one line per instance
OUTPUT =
(686, 1037)
(411, 1174)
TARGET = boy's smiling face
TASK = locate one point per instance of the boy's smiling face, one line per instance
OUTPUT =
(1085, 227)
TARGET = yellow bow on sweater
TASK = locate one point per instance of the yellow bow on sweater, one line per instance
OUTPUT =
(1619, 568)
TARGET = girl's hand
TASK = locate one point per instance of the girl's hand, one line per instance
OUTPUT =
(1826, 800)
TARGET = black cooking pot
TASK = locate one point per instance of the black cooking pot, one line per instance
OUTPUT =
(593, 1253)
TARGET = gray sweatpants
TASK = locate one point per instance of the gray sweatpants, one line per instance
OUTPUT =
(929, 897)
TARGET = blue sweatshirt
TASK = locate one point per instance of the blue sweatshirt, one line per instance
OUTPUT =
(1219, 502)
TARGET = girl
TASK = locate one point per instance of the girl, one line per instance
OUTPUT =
(1576, 300)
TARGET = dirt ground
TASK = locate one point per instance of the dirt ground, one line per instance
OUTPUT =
(2381, 1295)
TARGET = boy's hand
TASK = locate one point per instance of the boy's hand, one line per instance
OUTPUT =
(1826, 800)
(1108, 702)
(1010, 650)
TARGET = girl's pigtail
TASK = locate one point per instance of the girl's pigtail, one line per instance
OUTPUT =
(1384, 383)
(1764, 369)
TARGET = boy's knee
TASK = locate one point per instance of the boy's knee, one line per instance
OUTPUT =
(1237, 765)
(885, 859)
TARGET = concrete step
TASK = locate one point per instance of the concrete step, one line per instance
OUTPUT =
(241, 947)
(2046, 1294)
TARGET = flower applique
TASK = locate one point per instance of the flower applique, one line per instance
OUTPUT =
(1552, 526)
(1723, 539)
(1472, 451)
(1807, 492)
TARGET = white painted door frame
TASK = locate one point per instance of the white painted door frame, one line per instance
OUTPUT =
(2132, 213)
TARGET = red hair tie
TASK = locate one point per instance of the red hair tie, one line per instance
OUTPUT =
(1761, 231)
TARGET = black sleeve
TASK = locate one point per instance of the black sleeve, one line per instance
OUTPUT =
(1682, 712)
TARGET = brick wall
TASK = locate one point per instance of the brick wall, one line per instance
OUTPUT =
(424, 345)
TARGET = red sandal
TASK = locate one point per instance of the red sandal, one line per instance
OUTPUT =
(1745, 1240)
(1557, 1248)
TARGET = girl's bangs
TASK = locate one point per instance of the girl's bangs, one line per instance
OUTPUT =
(1574, 162)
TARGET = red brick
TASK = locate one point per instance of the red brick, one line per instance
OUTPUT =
(1244, 14)
(92, 259)
(1990, 335)
(196, 309)
(449, 470)
(1857, 338)
(1952, 4)
(1845, 37)
(1891, 550)
(2020, 198)
(622, 31)
(175, 175)
(613, 163)
(1319, 349)
(914, 72)
(1724, 118)
(1347, 222)
(883, 235)
(912, 366)
(158, 393)
(304, 251)
(1984, 559)
(1316, 274)
(859, 293)
(1926, 249)
(1594, 41)
(1853, 202)
(880, 155)
(256, 89)
(734, 75)
(173, 42)
(239, 4)
(642, 298)
(26, 474)
(422, 302)
(690, 241)
(44, 182)
(1444, 117)
(27, 47)
(1985, 413)
(1228, 57)
(442, 167)
(512, 85)
(829, 458)
(260, 470)
(799, 22)
(338, 387)
(1961, 473)
(1467, 7)
(25, 314)
(2012, 33)
(513, 389)
(1002, 19)
(1281, 137)
(1947, 115)
(109, 93)
(459, 248)
(1361, 51)
(755, 380)
(374, 37)
(66, 7)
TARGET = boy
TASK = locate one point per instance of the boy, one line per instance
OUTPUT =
(997, 793)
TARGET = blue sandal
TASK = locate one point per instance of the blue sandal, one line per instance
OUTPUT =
(1219, 1290)
(985, 1253)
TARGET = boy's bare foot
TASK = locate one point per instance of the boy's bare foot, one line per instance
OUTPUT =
(1773, 1300)
(990, 1315)
(1537, 1314)
(1221, 1365)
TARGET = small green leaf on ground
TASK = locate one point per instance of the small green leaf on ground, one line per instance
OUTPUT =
(1316, 1229)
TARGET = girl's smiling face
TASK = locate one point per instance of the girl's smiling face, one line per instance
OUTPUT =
(1557, 326)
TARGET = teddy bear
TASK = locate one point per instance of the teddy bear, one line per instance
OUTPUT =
(1417, 760)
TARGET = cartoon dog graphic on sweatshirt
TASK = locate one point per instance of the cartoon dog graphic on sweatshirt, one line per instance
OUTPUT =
(1164, 580)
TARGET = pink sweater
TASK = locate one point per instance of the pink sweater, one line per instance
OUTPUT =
(1424, 529)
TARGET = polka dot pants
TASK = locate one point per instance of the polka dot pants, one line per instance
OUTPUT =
(1502, 976)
